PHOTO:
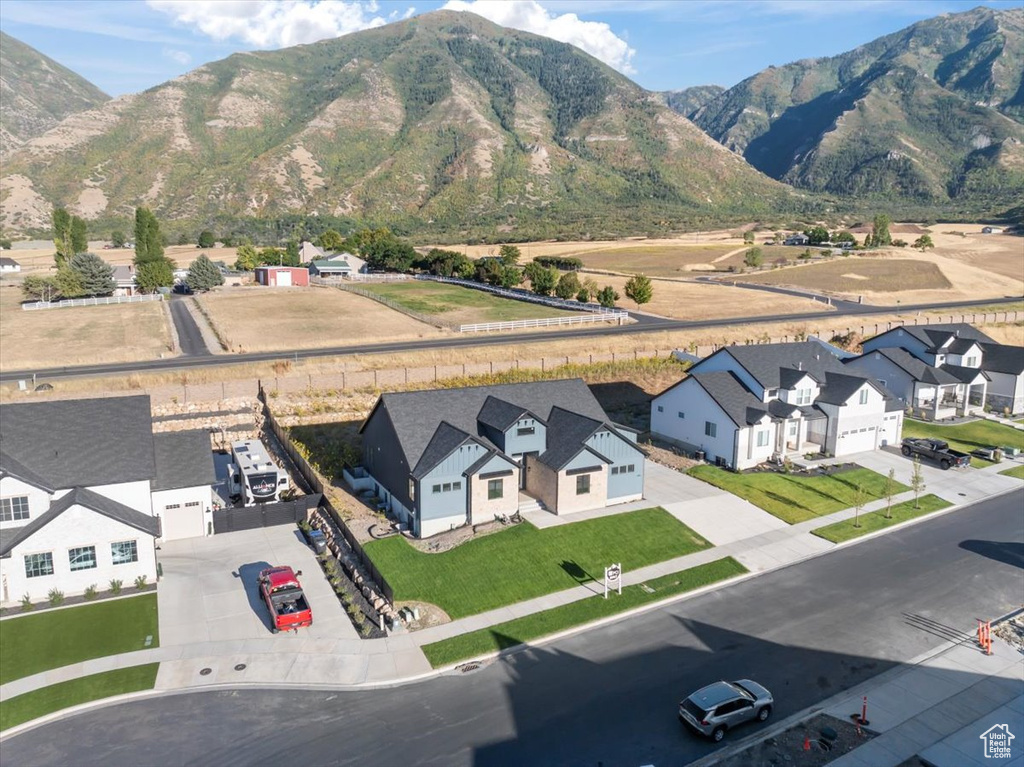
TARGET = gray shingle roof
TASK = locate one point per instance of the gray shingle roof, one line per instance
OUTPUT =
(567, 431)
(446, 438)
(90, 500)
(416, 415)
(183, 459)
(767, 361)
(74, 443)
(937, 335)
(1000, 358)
(966, 375)
(731, 395)
(500, 414)
(918, 370)
(13, 467)
(839, 387)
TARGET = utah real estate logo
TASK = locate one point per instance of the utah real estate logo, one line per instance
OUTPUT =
(997, 741)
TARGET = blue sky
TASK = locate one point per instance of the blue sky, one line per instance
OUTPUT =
(130, 45)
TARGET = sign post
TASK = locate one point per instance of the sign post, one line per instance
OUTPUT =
(613, 578)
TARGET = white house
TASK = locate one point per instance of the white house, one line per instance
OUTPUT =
(9, 265)
(77, 494)
(744, 405)
(992, 230)
(958, 350)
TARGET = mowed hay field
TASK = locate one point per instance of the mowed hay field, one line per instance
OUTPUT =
(456, 305)
(270, 319)
(79, 335)
(703, 301)
(662, 260)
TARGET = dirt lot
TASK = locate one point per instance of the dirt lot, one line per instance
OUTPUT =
(40, 258)
(264, 319)
(846, 275)
(79, 335)
(697, 301)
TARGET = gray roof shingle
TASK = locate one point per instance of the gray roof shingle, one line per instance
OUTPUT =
(966, 375)
(183, 459)
(500, 414)
(731, 395)
(446, 439)
(918, 370)
(567, 432)
(80, 496)
(766, 362)
(839, 387)
(1001, 358)
(74, 443)
(937, 335)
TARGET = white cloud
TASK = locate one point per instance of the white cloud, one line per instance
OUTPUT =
(272, 23)
(595, 37)
(181, 57)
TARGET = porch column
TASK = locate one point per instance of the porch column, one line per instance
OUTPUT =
(800, 423)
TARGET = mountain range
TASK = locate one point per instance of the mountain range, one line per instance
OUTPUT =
(931, 113)
(450, 123)
(37, 93)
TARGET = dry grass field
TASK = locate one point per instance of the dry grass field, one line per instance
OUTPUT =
(40, 259)
(661, 260)
(1001, 254)
(268, 319)
(857, 275)
(79, 335)
(701, 301)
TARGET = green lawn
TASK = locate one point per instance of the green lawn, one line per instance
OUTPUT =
(32, 705)
(470, 305)
(876, 520)
(1017, 472)
(967, 436)
(524, 629)
(793, 498)
(33, 643)
(523, 562)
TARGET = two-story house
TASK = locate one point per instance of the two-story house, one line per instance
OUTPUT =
(946, 370)
(83, 487)
(745, 405)
(445, 458)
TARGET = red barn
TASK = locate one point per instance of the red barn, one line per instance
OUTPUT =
(282, 276)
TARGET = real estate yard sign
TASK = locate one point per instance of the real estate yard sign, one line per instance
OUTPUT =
(613, 578)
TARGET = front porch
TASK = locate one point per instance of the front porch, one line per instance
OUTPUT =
(949, 401)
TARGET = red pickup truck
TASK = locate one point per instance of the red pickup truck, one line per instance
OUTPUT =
(283, 594)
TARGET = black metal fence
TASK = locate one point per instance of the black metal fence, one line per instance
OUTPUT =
(316, 485)
(264, 514)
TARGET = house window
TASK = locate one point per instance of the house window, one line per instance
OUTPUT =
(710, 429)
(631, 468)
(191, 504)
(970, 362)
(446, 487)
(82, 558)
(615, 469)
(661, 408)
(170, 506)
(525, 431)
(495, 489)
(12, 509)
(456, 485)
(864, 396)
(681, 414)
(803, 396)
(436, 489)
(38, 564)
(123, 552)
(773, 393)
(582, 484)
(762, 438)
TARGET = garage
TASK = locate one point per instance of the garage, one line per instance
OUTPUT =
(182, 490)
(857, 440)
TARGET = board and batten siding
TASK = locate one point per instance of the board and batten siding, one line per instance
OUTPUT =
(697, 407)
(440, 508)
(622, 453)
(517, 444)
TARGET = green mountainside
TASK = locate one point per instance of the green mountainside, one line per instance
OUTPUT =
(689, 100)
(443, 122)
(37, 93)
(933, 113)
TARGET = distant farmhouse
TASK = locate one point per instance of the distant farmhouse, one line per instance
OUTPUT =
(9, 265)
(445, 458)
(797, 239)
(746, 405)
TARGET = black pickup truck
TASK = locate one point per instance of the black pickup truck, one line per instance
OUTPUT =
(937, 450)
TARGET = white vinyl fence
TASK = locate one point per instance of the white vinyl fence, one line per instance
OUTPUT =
(67, 302)
(583, 319)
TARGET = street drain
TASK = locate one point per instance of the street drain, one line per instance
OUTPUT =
(239, 667)
(205, 671)
(465, 668)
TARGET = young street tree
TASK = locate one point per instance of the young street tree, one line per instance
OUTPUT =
(753, 257)
(639, 289)
(890, 490)
(859, 499)
(95, 275)
(607, 296)
(203, 275)
(917, 482)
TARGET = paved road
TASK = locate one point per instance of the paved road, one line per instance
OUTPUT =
(606, 697)
(648, 325)
(189, 337)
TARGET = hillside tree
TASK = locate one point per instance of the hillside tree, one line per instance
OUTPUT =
(753, 257)
(203, 275)
(330, 241)
(639, 289)
(748, 237)
(607, 296)
(95, 275)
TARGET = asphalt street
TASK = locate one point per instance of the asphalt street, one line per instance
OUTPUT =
(608, 696)
(189, 337)
(646, 324)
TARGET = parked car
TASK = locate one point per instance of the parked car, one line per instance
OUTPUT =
(282, 592)
(723, 705)
(937, 450)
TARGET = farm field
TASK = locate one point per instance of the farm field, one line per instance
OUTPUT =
(701, 301)
(267, 319)
(857, 275)
(1001, 254)
(662, 260)
(456, 305)
(79, 335)
(40, 257)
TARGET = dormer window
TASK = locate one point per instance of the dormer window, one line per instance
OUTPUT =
(773, 392)
(864, 396)
(803, 396)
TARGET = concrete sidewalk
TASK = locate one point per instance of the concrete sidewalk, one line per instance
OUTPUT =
(305, 660)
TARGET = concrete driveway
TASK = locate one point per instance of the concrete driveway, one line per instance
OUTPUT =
(209, 593)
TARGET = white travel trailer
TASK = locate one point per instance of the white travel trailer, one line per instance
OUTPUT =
(253, 476)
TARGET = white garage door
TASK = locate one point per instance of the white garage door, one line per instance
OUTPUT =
(183, 522)
(856, 441)
(284, 279)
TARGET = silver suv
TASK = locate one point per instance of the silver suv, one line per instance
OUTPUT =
(720, 706)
